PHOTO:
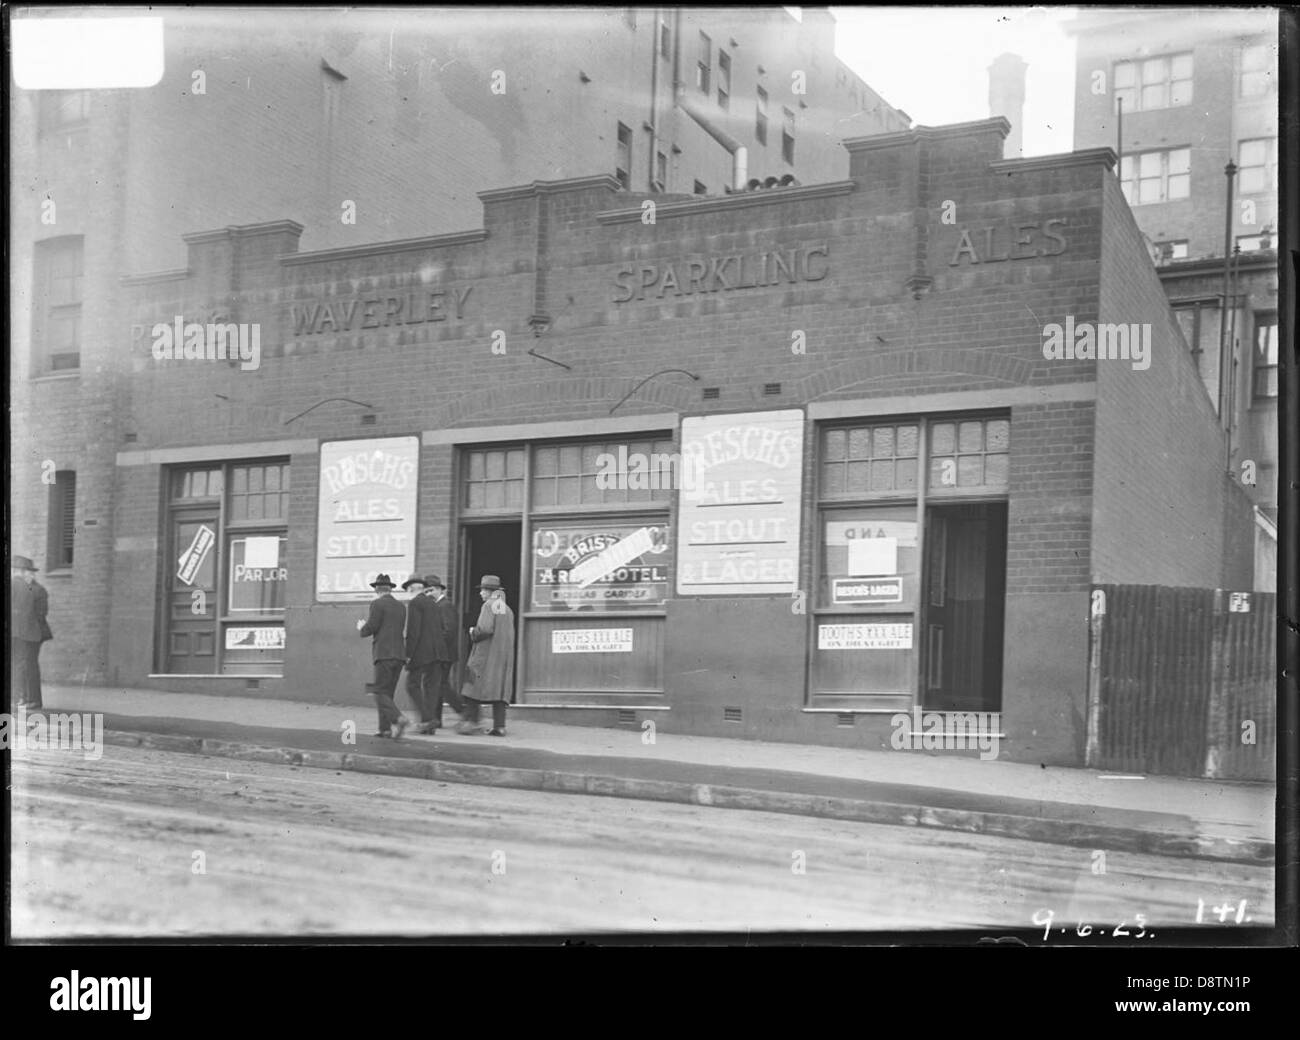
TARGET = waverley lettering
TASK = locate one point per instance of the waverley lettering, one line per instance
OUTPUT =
(318, 317)
(712, 274)
(73, 993)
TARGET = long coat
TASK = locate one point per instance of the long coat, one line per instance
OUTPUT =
(446, 630)
(490, 670)
(385, 624)
(29, 605)
(421, 631)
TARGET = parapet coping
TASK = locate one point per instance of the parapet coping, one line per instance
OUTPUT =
(927, 133)
(720, 203)
(403, 245)
(1060, 160)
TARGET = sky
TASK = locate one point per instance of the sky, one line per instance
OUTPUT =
(932, 62)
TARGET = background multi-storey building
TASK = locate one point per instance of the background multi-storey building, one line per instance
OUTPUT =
(360, 126)
(1179, 95)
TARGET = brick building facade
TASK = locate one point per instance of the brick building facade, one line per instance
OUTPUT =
(902, 501)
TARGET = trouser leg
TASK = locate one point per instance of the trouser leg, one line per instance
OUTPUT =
(386, 674)
(34, 698)
(417, 681)
(498, 714)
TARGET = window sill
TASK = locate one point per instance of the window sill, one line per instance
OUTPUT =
(52, 377)
(62, 572)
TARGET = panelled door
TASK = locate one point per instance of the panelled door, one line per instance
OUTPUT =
(192, 561)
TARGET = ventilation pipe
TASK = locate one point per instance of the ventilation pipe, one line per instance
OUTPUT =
(739, 154)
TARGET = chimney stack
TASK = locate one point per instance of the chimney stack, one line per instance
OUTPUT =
(1007, 98)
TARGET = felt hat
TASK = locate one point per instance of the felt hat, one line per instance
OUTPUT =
(383, 580)
(24, 563)
(490, 581)
(414, 579)
(433, 581)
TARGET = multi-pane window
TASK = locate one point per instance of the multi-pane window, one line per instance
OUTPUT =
(494, 479)
(859, 461)
(969, 454)
(760, 117)
(62, 110)
(1265, 382)
(1156, 176)
(604, 474)
(62, 520)
(1152, 83)
(56, 318)
(1256, 70)
(787, 136)
(704, 65)
(1257, 166)
(724, 79)
(623, 167)
(198, 485)
(259, 492)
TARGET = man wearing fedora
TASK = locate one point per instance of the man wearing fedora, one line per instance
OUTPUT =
(420, 622)
(446, 646)
(386, 626)
(29, 604)
(490, 670)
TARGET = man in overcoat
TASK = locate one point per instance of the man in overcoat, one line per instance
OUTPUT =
(420, 625)
(490, 670)
(386, 626)
(446, 647)
(29, 604)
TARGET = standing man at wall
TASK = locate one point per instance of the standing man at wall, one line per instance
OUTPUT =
(420, 634)
(446, 645)
(386, 626)
(29, 604)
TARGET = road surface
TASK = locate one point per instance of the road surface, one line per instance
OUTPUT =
(154, 843)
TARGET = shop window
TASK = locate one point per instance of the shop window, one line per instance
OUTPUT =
(227, 569)
(494, 480)
(613, 473)
(866, 461)
(760, 117)
(56, 317)
(1257, 166)
(62, 520)
(1153, 83)
(1257, 63)
(1148, 177)
(1265, 377)
(969, 454)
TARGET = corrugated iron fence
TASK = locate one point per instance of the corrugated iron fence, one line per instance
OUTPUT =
(1182, 682)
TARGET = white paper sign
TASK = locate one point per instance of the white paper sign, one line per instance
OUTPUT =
(262, 551)
(865, 637)
(255, 639)
(591, 641)
(873, 556)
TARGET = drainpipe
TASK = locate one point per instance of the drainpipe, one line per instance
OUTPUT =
(739, 154)
(1229, 172)
(654, 97)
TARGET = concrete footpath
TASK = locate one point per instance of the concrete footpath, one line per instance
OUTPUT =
(1224, 820)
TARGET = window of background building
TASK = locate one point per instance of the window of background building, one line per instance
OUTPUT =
(704, 66)
(700, 189)
(1265, 382)
(62, 520)
(1153, 83)
(665, 40)
(1188, 316)
(1251, 243)
(724, 79)
(760, 117)
(59, 111)
(623, 167)
(661, 171)
(1256, 70)
(787, 136)
(56, 317)
(1257, 166)
(1149, 177)
(1174, 249)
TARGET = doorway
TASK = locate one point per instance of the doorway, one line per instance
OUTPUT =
(964, 606)
(493, 548)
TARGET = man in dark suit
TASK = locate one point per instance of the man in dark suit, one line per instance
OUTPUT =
(420, 624)
(386, 626)
(446, 647)
(29, 604)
